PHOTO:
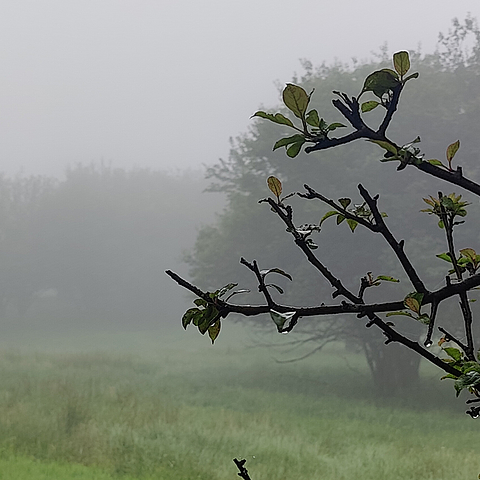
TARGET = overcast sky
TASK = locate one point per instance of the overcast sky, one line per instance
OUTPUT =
(165, 83)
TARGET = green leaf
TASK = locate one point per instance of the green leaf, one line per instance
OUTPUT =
(352, 224)
(237, 292)
(401, 62)
(294, 150)
(188, 316)
(445, 256)
(448, 375)
(387, 278)
(469, 380)
(283, 142)
(344, 202)
(200, 302)
(264, 273)
(469, 253)
(281, 318)
(413, 75)
(296, 99)
(313, 118)
(424, 318)
(455, 353)
(214, 330)
(436, 162)
(370, 105)
(401, 312)
(380, 82)
(333, 126)
(452, 150)
(413, 301)
(276, 287)
(277, 118)
(386, 145)
(328, 215)
(222, 291)
(205, 321)
(340, 219)
(275, 186)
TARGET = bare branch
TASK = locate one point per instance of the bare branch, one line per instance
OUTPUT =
(397, 247)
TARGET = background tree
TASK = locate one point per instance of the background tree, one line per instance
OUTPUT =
(89, 250)
(250, 161)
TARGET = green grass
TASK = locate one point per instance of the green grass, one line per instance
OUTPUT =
(170, 413)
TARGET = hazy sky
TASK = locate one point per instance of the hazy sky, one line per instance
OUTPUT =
(164, 83)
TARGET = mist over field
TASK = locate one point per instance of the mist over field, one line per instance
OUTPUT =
(128, 149)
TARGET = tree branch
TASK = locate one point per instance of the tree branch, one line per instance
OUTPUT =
(397, 247)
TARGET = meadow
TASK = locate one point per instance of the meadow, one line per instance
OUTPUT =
(145, 406)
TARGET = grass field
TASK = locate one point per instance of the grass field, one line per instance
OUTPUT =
(185, 410)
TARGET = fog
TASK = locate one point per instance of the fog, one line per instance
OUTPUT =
(164, 84)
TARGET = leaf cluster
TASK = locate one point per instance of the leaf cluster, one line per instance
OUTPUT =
(313, 127)
(413, 303)
(470, 370)
(206, 315)
(360, 211)
(446, 208)
(383, 82)
(467, 261)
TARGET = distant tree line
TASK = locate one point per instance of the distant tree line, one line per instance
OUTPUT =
(91, 248)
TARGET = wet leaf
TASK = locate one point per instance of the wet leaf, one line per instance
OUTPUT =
(386, 145)
(401, 62)
(264, 273)
(400, 312)
(328, 215)
(370, 105)
(222, 291)
(277, 118)
(468, 380)
(445, 256)
(387, 278)
(294, 150)
(276, 287)
(237, 292)
(452, 150)
(470, 254)
(436, 162)
(275, 186)
(313, 118)
(413, 301)
(214, 330)
(296, 99)
(380, 82)
(333, 126)
(283, 142)
(344, 202)
(413, 75)
(455, 353)
(188, 316)
(352, 224)
(281, 318)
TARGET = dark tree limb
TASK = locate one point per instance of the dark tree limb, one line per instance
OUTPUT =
(285, 213)
(260, 279)
(243, 472)
(450, 337)
(363, 310)
(397, 247)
